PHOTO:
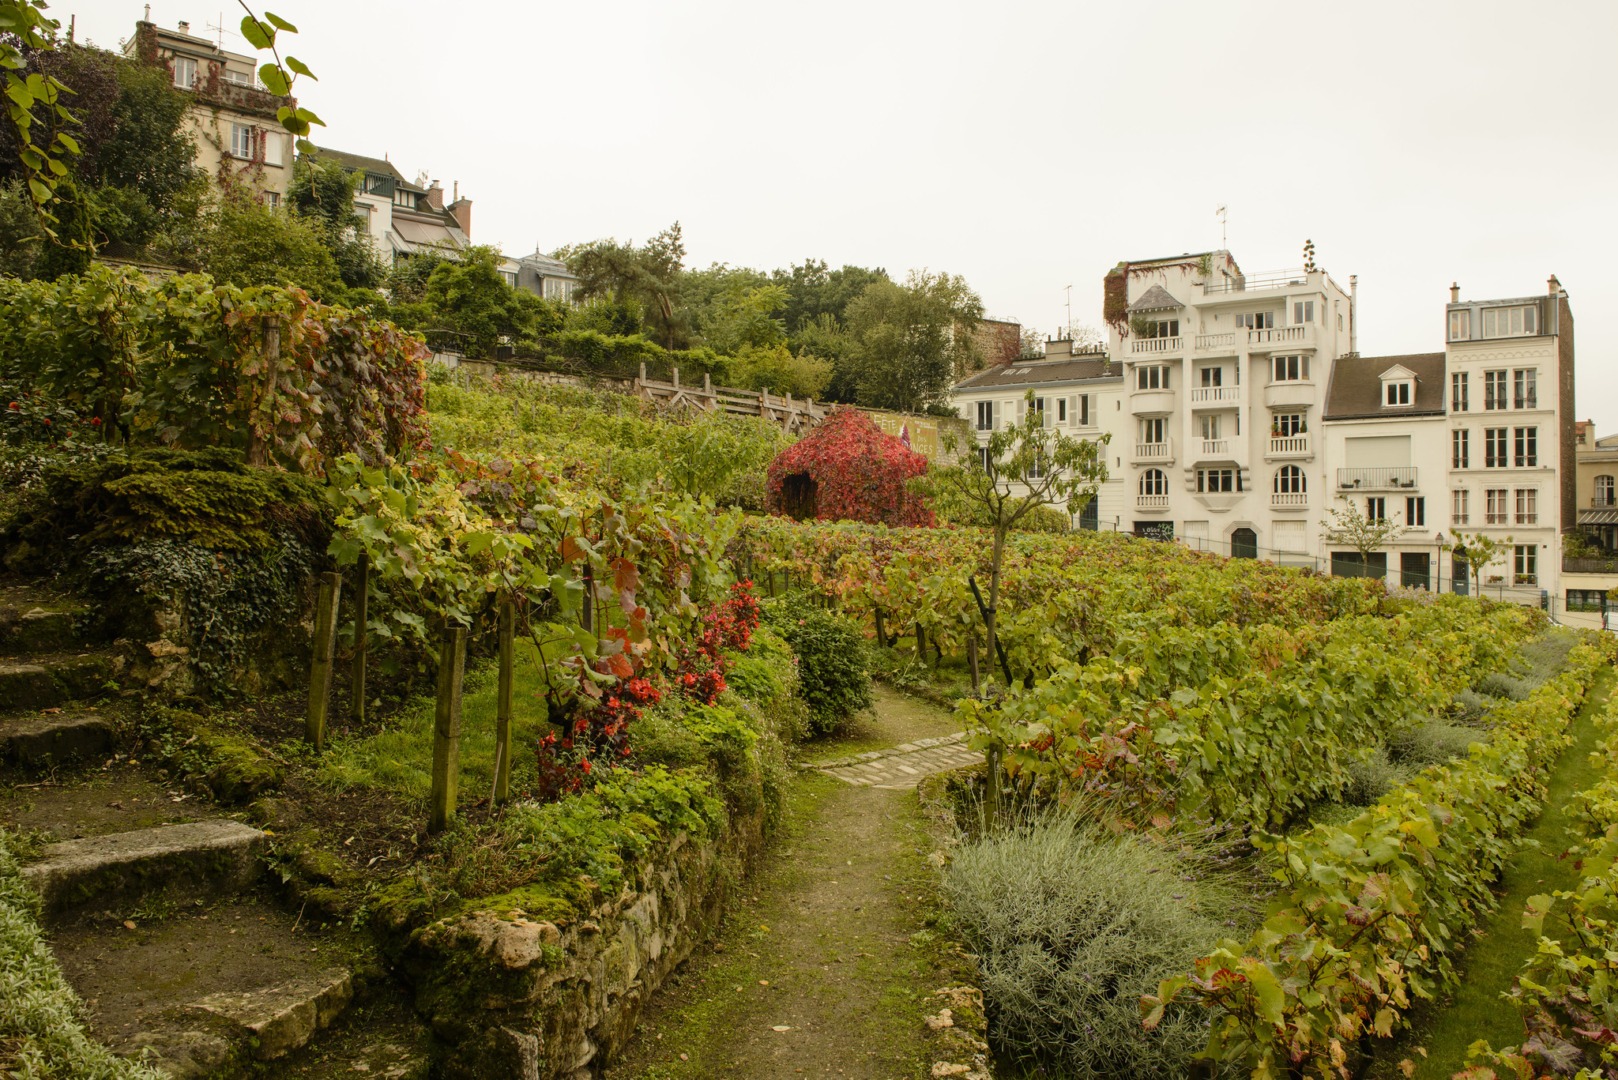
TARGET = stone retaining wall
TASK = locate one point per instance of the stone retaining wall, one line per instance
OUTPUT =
(526, 999)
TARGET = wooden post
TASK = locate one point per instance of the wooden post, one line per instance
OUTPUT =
(643, 371)
(921, 643)
(270, 345)
(362, 604)
(676, 379)
(502, 715)
(707, 392)
(992, 792)
(881, 631)
(447, 728)
(972, 659)
(320, 661)
(588, 610)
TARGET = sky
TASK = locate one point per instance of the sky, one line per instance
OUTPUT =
(1026, 146)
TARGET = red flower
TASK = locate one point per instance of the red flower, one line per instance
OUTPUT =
(585, 765)
(14, 405)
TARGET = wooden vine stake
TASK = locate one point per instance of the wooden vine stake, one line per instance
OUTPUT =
(502, 716)
(447, 728)
(881, 631)
(320, 662)
(991, 802)
(362, 599)
(972, 659)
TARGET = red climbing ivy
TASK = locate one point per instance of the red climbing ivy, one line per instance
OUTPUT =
(848, 469)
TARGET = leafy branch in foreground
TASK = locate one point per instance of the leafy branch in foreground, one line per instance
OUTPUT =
(24, 27)
(281, 74)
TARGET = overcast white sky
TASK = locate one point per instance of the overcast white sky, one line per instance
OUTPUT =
(1024, 145)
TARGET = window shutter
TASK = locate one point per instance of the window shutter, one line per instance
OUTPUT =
(1022, 410)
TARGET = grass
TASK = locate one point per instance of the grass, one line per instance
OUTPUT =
(1491, 963)
(400, 758)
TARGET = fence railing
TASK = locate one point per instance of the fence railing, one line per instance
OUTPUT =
(1588, 565)
(1216, 395)
(1378, 479)
(1153, 345)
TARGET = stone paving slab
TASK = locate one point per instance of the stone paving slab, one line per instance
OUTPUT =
(905, 765)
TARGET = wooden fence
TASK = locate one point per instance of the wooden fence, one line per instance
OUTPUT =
(796, 415)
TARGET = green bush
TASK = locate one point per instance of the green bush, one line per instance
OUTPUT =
(1071, 925)
(833, 677)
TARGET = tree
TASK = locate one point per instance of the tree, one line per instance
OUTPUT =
(648, 275)
(1366, 535)
(1023, 467)
(240, 241)
(322, 193)
(468, 295)
(35, 114)
(814, 291)
(1477, 552)
(908, 343)
(777, 369)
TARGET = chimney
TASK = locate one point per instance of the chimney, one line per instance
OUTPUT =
(435, 196)
(461, 211)
(185, 27)
(1454, 293)
(1354, 314)
(1555, 286)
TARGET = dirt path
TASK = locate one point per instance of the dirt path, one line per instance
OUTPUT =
(827, 965)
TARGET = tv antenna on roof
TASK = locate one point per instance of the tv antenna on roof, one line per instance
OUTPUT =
(219, 29)
(1224, 242)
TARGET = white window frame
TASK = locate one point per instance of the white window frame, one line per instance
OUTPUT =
(1525, 564)
(242, 141)
(1496, 447)
(1152, 377)
(185, 72)
(1303, 311)
(1525, 447)
(1460, 325)
(1460, 448)
(1154, 482)
(1459, 398)
(1497, 506)
(1525, 388)
(1416, 511)
(985, 416)
(1527, 506)
(1376, 508)
(1496, 390)
(1289, 368)
(1291, 480)
(1515, 321)
(1396, 393)
(1460, 506)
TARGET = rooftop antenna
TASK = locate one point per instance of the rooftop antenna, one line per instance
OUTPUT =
(1069, 333)
(219, 29)
(1224, 240)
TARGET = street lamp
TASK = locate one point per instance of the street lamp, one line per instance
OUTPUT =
(1438, 566)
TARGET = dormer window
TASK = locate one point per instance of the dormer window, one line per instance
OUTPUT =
(1398, 387)
(185, 72)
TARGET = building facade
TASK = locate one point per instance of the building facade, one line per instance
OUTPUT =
(1241, 416)
(402, 218)
(231, 120)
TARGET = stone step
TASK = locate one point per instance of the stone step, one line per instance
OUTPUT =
(45, 740)
(40, 682)
(201, 990)
(34, 622)
(200, 859)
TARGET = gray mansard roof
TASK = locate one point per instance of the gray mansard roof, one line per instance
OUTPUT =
(1026, 373)
(1355, 392)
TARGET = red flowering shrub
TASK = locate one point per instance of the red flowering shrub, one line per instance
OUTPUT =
(598, 737)
(848, 469)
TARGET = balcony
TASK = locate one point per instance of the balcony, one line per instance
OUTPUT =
(1290, 394)
(1152, 503)
(1215, 448)
(1154, 453)
(1289, 500)
(1281, 447)
(1272, 279)
(1221, 343)
(1603, 502)
(1151, 402)
(1380, 479)
(1205, 396)
(1281, 338)
(1589, 566)
(1155, 346)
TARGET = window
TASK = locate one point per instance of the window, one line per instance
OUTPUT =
(1290, 481)
(559, 289)
(1525, 392)
(1217, 480)
(1527, 439)
(1376, 508)
(185, 72)
(1257, 320)
(1061, 410)
(1039, 410)
(509, 277)
(1152, 377)
(1161, 328)
(1494, 390)
(1084, 411)
(1525, 561)
(272, 199)
(375, 183)
(1460, 325)
(273, 143)
(1213, 376)
(1286, 425)
(1586, 600)
(1210, 426)
(985, 416)
(1154, 482)
(1494, 448)
(238, 78)
(1495, 512)
(1153, 430)
(1416, 511)
(1397, 393)
(1604, 491)
(1460, 449)
(1037, 470)
(1528, 506)
(1303, 311)
(984, 460)
(406, 199)
(1511, 321)
(1457, 392)
(1291, 368)
(241, 141)
(1460, 507)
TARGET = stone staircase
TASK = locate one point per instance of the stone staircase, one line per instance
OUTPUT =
(154, 904)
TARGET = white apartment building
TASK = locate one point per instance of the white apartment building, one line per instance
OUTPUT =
(1076, 392)
(401, 218)
(1241, 414)
(1219, 438)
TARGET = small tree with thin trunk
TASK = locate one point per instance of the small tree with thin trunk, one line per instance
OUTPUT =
(1349, 527)
(1477, 551)
(1021, 468)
